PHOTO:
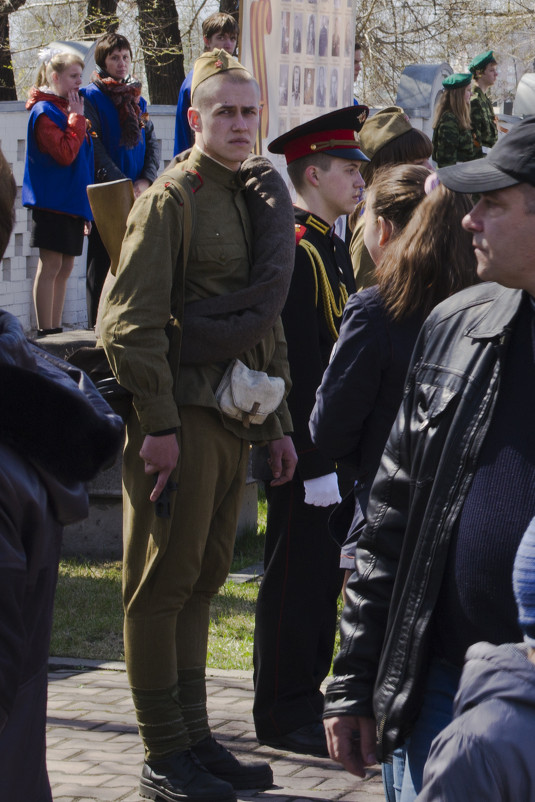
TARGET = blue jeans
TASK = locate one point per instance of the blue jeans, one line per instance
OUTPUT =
(436, 713)
(393, 775)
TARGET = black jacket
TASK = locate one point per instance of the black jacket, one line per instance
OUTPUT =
(486, 753)
(420, 488)
(362, 387)
(311, 316)
(53, 437)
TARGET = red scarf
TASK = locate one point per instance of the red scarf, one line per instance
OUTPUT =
(125, 97)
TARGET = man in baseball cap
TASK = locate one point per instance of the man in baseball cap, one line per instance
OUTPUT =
(454, 491)
(511, 161)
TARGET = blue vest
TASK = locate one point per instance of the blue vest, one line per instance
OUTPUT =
(130, 161)
(184, 137)
(50, 185)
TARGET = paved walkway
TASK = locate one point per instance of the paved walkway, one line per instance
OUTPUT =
(94, 751)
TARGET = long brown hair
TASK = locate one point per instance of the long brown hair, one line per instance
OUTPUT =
(453, 100)
(431, 258)
(395, 194)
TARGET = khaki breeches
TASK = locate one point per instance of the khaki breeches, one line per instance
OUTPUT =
(172, 568)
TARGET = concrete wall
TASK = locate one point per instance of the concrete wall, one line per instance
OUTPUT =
(17, 268)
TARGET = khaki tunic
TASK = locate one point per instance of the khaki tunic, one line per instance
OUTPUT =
(363, 264)
(172, 567)
(138, 306)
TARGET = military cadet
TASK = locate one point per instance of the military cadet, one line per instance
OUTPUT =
(296, 608)
(485, 71)
(173, 565)
(452, 135)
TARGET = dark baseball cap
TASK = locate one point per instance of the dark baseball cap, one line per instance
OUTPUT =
(511, 161)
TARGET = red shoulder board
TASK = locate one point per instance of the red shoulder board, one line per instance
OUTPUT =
(300, 232)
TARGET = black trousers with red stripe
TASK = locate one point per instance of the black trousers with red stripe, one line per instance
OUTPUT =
(296, 612)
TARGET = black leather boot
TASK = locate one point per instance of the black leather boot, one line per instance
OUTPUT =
(182, 778)
(226, 766)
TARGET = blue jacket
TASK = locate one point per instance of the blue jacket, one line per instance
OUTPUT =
(362, 388)
(50, 185)
(130, 161)
(486, 753)
(183, 133)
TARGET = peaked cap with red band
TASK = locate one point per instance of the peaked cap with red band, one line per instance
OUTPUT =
(335, 134)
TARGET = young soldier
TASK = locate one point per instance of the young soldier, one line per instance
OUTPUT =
(296, 609)
(173, 566)
(219, 31)
(485, 71)
(453, 140)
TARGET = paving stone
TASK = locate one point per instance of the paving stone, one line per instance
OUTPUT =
(95, 754)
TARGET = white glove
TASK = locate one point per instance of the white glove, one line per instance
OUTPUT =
(322, 491)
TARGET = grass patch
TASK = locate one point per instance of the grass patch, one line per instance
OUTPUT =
(230, 642)
(88, 616)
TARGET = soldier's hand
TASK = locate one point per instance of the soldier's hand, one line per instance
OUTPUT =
(282, 460)
(160, 455)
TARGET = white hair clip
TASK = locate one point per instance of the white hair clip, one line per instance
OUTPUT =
(46, 54)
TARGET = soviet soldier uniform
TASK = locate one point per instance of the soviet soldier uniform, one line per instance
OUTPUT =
(483, 68)
(482, 118)
(173, 565)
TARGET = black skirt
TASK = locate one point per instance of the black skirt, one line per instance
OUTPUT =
(58, 232)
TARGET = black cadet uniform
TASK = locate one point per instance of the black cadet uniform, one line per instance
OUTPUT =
(296, 611)
(296, 608)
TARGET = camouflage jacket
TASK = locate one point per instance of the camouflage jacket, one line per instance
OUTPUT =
(451, 143)
(482, 117)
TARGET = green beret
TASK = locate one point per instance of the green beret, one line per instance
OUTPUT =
(457, 80)
(482, 61)
(380, 129)
(213, 62)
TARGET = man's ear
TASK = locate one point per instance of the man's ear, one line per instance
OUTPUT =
(311, 175)
(385, 228)
(194, 119)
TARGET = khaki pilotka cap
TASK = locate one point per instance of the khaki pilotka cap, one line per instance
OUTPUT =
(211, 63)
(385, 125)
